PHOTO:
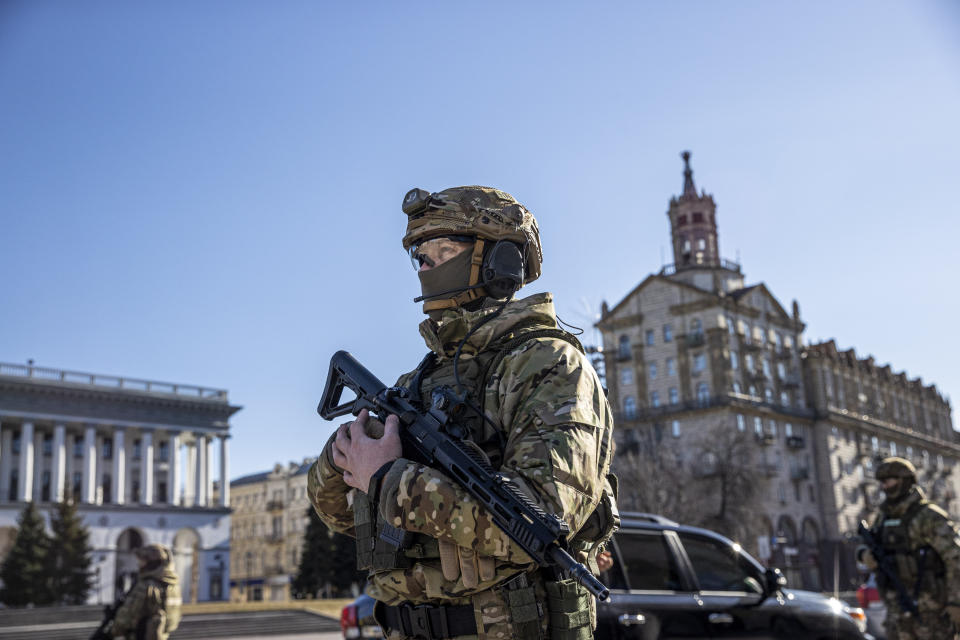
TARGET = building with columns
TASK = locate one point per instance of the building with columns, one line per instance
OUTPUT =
(138, 457)
(694, 348)
(269, 522)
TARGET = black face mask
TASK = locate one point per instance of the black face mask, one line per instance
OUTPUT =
(452, 276)
(899, 491)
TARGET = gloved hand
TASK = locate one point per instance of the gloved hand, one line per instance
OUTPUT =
(865, 556)
(953, 610)
(462, 562)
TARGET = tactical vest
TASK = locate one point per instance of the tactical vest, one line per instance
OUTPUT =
(380, 546)
(920, 569)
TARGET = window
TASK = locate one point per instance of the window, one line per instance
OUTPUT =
(701, 244)
(675, 428)
(686, 246)
(623, 348)
(667, 333)
(136, 449)
(758, 425)
(47, 445)
(655, 399)
(788, 430)
(773, 427)
(766, 368)
(753, 391)
(45, 486)
(15, 444)
(107, 452)
(697, 217)
(647, 562)
(674, 395)
(699, 362)
(784, 398)
(741, 423)
(696, 327)
(748, 360)
(164, 450)
(650, 338)
(14, 486)
(135, 491)
(768, 394)
(630, 408)
(78, 447)
(734, 360)
(161, 493)
(730, 326)
(77, 485)
(719, 567)
(781, 371)
(681, 220)
(626, 375)
(107, 488)
(671, 367)
(653, 370)
(758, 335)
(703, 392)
(736, 387)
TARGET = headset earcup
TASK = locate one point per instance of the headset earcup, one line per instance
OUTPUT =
(503, 269)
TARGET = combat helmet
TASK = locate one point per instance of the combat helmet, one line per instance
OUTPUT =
(506, 253)
(896, 468)
(153, 555)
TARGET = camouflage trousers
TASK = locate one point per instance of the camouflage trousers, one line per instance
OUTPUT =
(933, 625)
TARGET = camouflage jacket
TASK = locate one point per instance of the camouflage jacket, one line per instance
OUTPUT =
(145, 599)
(557, 425)
(931, 526)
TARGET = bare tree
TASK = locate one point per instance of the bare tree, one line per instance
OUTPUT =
(713, 478)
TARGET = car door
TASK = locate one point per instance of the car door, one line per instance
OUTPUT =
(729, 588)
(650, 598)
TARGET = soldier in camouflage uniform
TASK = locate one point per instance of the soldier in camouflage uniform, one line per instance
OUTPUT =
(437, 564)
(925, 545)
(152, 608)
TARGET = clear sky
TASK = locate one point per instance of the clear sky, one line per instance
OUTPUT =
(209, 193)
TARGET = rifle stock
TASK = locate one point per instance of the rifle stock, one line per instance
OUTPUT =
(425, 438)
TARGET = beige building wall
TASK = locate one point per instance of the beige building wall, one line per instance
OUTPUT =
(269, 523)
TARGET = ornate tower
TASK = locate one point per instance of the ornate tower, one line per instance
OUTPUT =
(693, 225)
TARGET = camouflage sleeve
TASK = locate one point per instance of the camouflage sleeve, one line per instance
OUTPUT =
(130, 611)
(329, 493)
(552, 408)
(934, 527)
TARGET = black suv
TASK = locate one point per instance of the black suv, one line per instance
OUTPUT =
(673, 581)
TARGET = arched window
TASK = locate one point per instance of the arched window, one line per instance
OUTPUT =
(629, 408)
(703, 392)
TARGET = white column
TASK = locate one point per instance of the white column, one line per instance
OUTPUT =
(189, 482)
(88, 487)
(37, 464)
(6, 456)
(224, 472)
(59, 470)
(200, 476)
(25, 472)
(173, 482)
(208, 471)
(146, 468)
(119, 467)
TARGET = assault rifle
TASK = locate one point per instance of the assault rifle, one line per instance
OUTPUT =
(105, 630)
(428, 438)
(886, 566)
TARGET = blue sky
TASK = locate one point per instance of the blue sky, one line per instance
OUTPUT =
(208, 193)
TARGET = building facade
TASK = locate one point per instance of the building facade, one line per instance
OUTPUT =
(134, 455)
(694, 348)
(269, 523)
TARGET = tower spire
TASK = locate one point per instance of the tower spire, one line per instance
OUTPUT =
(688, 187)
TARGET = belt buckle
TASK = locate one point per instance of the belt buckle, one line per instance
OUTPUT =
(418, 620)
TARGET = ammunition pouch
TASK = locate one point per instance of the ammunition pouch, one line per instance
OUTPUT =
(570, 608)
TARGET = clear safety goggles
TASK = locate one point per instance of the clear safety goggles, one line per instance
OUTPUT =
(436, 251)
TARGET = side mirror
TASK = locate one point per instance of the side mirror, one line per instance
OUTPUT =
(775, 580)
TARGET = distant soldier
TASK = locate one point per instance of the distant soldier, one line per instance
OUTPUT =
(152, 608)
(924, 545)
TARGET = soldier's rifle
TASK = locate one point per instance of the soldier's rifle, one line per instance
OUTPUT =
(426, 438)
(105, 630)
(886, 565)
